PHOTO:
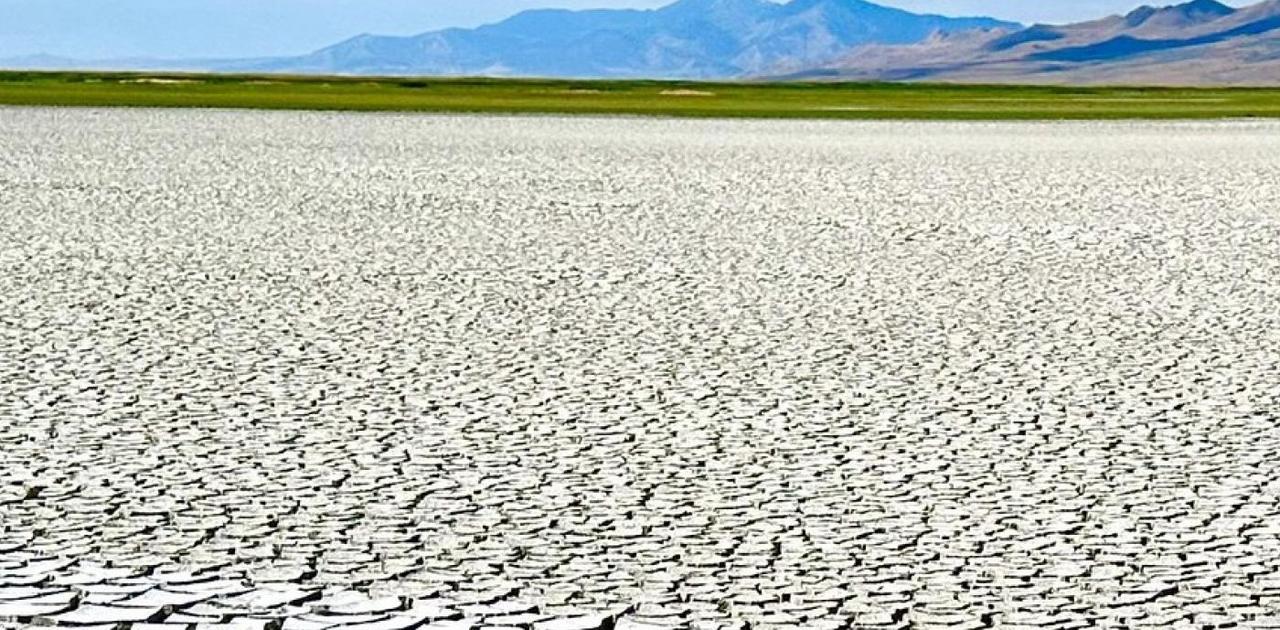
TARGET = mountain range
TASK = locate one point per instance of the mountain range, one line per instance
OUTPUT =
(1202, 42)
(1197, 43)
(687, 39)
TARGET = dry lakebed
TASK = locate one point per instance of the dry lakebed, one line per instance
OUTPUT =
(382, 371)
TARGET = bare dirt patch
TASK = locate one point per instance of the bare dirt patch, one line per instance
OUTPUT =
(686, 93)
(161, 81)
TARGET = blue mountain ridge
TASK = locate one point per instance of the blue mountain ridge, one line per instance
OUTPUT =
(687, 39)
(1200, 42)
(1127, 46)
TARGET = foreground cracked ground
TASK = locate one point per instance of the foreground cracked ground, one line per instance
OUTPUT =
(383, 372)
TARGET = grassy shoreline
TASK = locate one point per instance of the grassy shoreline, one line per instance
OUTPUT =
(858, 101)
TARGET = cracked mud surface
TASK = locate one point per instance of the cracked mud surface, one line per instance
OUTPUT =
(384, 372)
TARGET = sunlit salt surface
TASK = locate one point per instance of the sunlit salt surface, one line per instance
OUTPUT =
(392, 371)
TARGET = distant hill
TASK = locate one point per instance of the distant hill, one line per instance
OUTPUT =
(1202, 42)
(687, 39)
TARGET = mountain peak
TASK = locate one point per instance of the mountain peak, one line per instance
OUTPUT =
(1139, 15)
(1211, 6)
(685, 6)
(1203, 10)
(805, 4)
(1194, 12)
(711, 4)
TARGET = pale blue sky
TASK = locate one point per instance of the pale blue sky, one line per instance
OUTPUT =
(97, 29)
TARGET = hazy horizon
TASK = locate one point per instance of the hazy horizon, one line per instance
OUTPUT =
(113, 29)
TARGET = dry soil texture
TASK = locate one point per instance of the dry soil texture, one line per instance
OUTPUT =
(382, 371)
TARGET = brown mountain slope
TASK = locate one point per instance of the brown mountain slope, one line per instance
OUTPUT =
(1198, 43)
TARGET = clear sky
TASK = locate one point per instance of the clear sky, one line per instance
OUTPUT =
(104, 29)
